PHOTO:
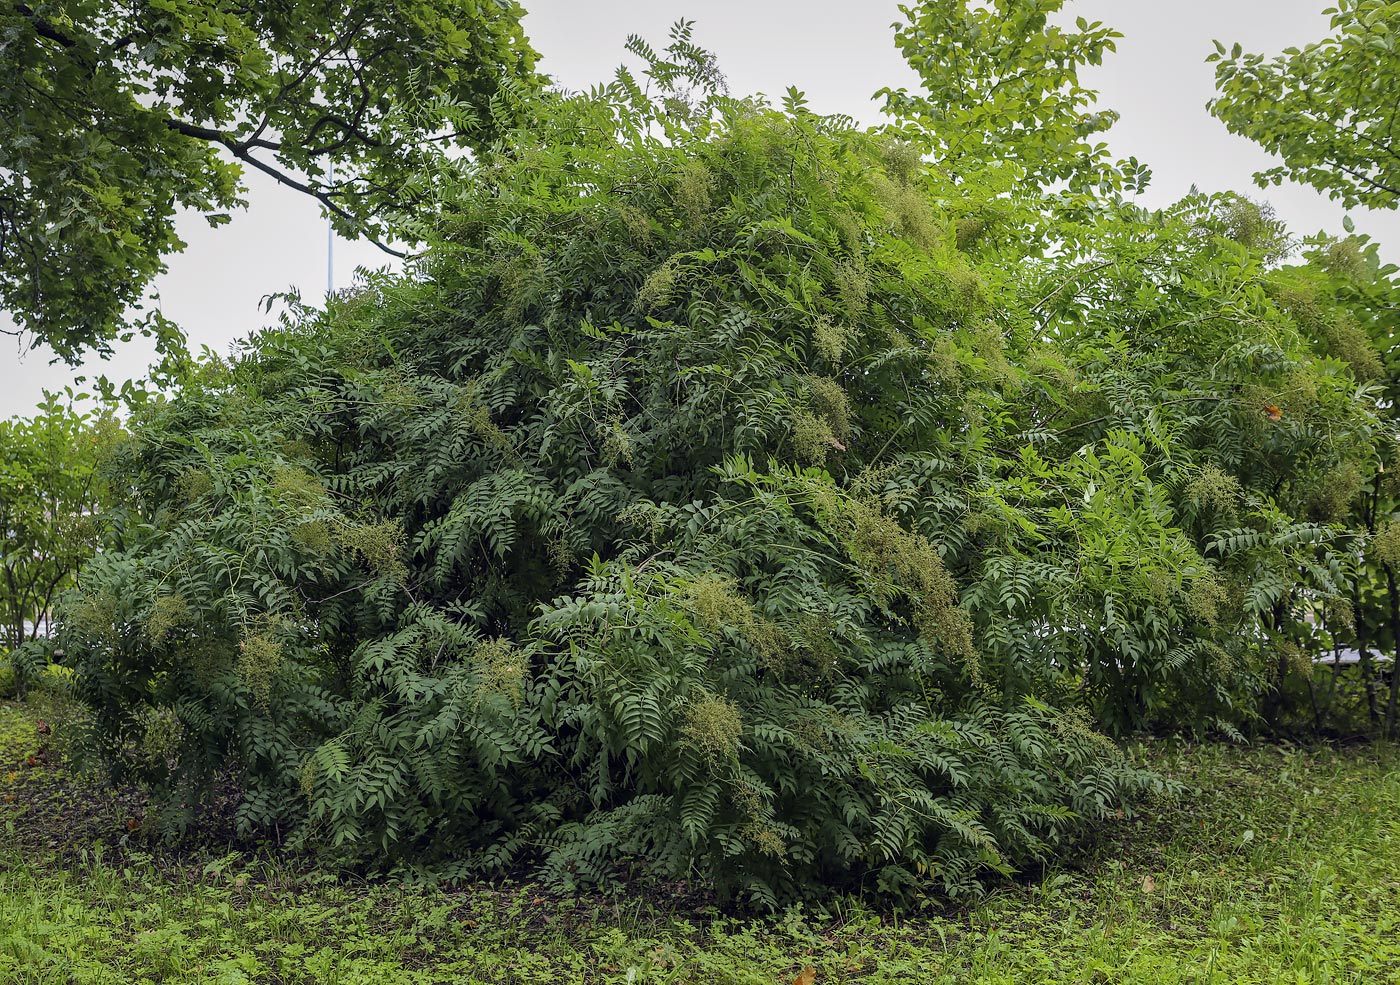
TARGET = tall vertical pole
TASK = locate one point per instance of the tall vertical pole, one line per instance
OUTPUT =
(330, 243)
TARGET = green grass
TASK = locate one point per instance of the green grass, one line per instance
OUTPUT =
(1279, 865)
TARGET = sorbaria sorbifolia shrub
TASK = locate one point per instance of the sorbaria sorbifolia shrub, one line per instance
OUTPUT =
(727, 494)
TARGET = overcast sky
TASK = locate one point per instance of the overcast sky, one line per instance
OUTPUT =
(839, 53)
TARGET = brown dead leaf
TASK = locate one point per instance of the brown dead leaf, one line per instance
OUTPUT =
(808, 976)
(1148, 884)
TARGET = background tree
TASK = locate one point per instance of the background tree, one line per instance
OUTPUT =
(1000, 84)
(52, 499)
(1328, 109)
(113, 116)
(1345, 297)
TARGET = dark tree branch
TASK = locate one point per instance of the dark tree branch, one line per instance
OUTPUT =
(320, 196)
(1365, 178)
(350, 130)
(242, 150)
(306, 72)
(220, 137)
(44, 29)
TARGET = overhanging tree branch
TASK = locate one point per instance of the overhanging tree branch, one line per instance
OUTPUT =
(220, 137)
(286, 89)
(44, 28)
(242, 150)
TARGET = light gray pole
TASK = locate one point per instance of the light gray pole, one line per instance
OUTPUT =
(330, 244)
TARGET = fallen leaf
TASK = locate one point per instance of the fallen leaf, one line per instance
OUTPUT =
(808, 976)
(1148, 884)
(1273, 413)
(132, 824)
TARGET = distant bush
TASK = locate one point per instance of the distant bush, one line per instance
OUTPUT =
(752, 504)
(52, 501)
(9, 683)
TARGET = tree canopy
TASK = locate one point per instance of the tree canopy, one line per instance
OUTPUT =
(1328, 108)
(115, 116)
(1000, 84)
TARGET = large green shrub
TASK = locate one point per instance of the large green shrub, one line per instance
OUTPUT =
(727, 492)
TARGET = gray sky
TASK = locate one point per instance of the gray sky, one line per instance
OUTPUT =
(839, 53)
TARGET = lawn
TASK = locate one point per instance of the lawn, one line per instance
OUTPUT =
(1278, 864)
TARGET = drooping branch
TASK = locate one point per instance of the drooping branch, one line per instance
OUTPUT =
(242, 150)
(320, 196)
